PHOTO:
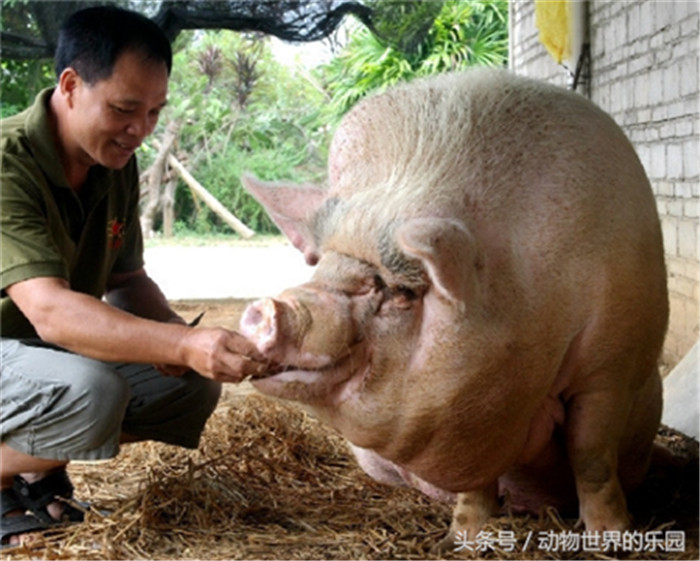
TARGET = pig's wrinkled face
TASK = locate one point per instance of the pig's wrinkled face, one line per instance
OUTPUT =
(373, 343)
(338, 333)
(354, 343)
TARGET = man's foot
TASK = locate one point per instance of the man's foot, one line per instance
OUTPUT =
(15, 519)
(50, 498)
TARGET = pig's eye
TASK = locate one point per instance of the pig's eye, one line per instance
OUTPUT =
(379, 283)
(399, 297)
(406, 292)
(404, 295)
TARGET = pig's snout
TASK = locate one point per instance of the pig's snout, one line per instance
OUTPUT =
(272, 324)
(298, 333)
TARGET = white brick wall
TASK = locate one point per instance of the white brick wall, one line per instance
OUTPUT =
(644, 72)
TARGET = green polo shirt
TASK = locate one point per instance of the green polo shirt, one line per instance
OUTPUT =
(47, 230)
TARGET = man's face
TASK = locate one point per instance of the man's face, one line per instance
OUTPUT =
(112, 117)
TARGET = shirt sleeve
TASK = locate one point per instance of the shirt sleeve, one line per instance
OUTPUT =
(26, 247)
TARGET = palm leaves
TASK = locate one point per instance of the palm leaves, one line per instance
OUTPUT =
(463, 33)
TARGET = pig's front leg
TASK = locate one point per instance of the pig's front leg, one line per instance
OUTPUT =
(472, 511)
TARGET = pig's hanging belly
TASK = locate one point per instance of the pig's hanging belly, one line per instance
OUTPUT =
(384, 471)
(541, 477)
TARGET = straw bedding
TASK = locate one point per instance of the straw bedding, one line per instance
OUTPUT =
(270, 482)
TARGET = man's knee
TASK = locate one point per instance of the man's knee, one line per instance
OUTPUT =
(71, 409)
(167, 409)
(205, 394)
(101, 400)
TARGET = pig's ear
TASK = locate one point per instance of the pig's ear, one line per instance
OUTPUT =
(291, 207)
(447, 251)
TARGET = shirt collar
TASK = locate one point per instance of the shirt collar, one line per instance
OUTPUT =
(41, 139)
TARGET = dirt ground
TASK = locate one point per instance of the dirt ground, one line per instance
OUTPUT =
(223, 313)
(271, 482)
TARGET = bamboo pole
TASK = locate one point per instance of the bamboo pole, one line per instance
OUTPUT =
(210, 200)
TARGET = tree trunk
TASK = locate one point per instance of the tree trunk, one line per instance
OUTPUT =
(155, 179)
(210, 200)
(169, 206)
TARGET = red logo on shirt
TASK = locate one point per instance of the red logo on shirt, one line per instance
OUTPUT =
(115, 233)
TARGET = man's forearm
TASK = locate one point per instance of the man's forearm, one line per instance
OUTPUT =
(99, 330)
(94, 328)
(138, 294)
(87, 325)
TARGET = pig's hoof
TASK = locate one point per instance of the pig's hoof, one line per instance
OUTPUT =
(445, 545)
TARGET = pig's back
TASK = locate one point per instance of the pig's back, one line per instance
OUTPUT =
(487, 141)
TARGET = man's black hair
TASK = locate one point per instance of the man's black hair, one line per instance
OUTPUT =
(91, 40)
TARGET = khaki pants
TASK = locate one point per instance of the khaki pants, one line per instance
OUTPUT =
(58, 405)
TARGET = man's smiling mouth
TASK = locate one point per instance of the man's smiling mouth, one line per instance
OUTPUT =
(126, 147)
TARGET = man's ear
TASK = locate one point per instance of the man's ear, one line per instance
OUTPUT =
(68, 82)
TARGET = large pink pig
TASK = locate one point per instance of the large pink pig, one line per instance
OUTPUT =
(490, 299)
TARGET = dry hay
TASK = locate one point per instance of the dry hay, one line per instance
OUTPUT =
(270, 482)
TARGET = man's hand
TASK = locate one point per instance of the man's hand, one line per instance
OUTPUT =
(222, 355)
(173, 369)
(219, 354)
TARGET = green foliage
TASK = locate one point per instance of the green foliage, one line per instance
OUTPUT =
(222, 174)
(20, 81)
(241, 111)
(404, 23)
(463, 33)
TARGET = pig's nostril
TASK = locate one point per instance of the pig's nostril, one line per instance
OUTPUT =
(253, 317)
(259, 323)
